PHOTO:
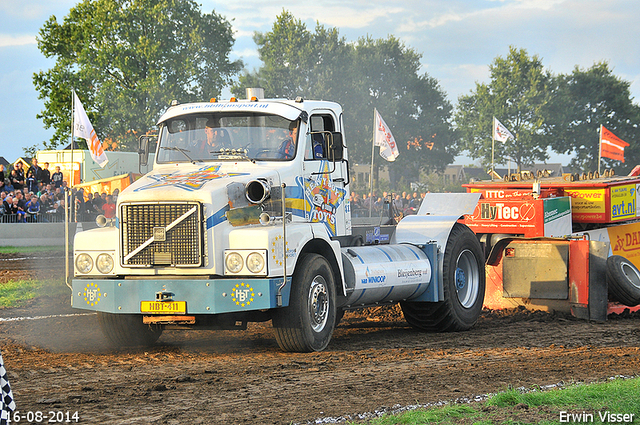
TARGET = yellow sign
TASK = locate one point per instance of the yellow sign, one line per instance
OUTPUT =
(623, 202)
(588, 202)
(625, 241)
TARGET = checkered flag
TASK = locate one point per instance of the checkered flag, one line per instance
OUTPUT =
(7, 405)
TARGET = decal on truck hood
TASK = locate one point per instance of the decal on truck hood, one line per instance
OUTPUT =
(190, 181)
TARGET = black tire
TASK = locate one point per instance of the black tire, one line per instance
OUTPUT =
(463, 280)
(307, 323)
(624, 280)
(339, 315)
(127, 330)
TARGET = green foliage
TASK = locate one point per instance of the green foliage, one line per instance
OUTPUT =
(368, 74)
(583, 101)
(127, 59)
(517, 96)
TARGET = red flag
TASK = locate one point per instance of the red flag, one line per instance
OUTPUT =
(611, 146)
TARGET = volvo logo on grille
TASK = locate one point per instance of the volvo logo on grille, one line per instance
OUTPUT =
(159, 234)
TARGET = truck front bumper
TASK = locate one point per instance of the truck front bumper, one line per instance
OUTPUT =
(196, 296)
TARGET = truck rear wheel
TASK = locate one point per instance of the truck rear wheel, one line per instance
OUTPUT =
(307, 323)
(463, 280)
(623, 280)
(127, 330)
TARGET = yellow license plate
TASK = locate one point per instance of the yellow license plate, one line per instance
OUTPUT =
(163, 307)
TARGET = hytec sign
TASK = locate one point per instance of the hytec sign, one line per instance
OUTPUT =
(500, 211)
(528, 217)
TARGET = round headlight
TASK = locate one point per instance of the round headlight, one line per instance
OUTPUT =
(234, 262)
(104, 263)
(255, 262)
(84, 263)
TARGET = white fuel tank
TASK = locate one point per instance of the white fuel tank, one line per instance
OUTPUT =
(385, 273)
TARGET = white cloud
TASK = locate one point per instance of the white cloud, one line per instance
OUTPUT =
(7, 40)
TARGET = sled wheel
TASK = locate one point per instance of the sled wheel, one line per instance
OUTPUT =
(127, 330)
(307, 323)
(624, 280)
(463, 281)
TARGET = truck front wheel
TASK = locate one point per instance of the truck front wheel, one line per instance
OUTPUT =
(463, 280)
(307, 323)
(127, 330)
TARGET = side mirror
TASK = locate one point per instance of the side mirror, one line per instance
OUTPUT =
(334, 146)
(143, 151)
(144, 145)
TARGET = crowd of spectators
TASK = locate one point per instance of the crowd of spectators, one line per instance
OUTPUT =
(377, 204)
(37, 195)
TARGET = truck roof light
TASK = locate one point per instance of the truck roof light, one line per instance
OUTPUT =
(174, 103)
(254, 98)
(299, 99)
(213, 100)
(233, 99)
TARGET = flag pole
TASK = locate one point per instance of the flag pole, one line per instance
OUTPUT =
(493, 145)
(373, 145)
(600, 149)
(66, 198)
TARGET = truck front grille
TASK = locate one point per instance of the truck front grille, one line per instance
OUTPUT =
(162, 234)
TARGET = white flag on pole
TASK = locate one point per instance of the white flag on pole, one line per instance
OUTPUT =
(84, 129)
(383, 138)
(500, 132)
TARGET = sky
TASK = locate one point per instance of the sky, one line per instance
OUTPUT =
(457, 39)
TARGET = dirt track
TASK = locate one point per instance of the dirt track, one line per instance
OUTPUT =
(375, 360)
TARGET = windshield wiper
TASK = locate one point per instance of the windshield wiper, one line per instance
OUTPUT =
(233, 154)
(181, 150)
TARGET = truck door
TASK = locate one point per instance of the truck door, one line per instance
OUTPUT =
(324, 181)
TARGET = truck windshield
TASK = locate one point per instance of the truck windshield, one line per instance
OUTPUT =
(225, 136)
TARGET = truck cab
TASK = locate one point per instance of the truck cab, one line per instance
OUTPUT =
(246, 217)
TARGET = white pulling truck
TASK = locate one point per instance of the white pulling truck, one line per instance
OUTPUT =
(246, 217)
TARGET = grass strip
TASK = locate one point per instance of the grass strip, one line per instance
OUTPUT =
(614, 401)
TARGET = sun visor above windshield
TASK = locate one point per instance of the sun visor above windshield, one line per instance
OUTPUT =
(272, 108)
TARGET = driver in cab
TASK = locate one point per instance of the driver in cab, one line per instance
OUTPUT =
(217, 139)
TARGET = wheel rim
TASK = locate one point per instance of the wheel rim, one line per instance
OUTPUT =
(318, 305)
(467, 278)
(631, 274)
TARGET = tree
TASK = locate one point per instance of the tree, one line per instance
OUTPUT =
(127, 60)
(518, 95)
(368, 74)
(412, 104)
(586, 99)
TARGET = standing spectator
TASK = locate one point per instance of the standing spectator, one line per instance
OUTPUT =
(32, 182)
(415, 201)
(45, 174)
(17, 176)
(2, 177)
(33, 209)
(97, 203)
(109, 208)
(57, 177)
(45, 202)
(35, 168)
(7, 203)
(17, 211)
(22, 203)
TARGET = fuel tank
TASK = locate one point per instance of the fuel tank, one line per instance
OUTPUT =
(386, 273)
